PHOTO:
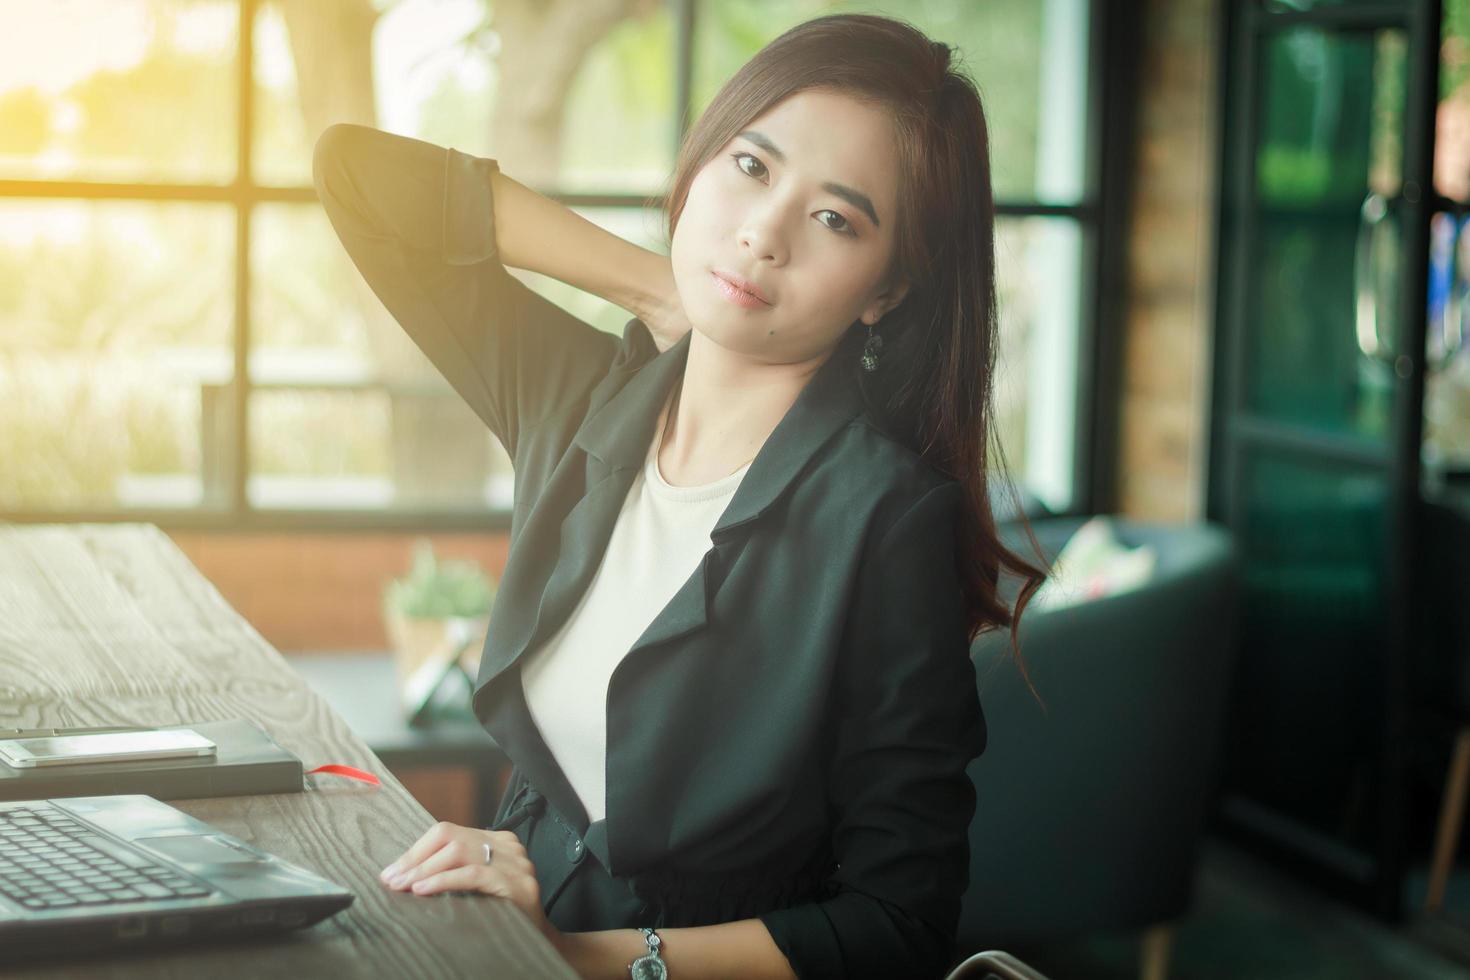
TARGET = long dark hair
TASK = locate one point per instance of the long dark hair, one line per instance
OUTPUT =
(933, 389)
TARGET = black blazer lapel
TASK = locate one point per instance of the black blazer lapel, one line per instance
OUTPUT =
(573, 521)
(619, 435)
(567, 530)
(549, 568)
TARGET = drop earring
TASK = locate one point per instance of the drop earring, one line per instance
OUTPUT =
(871, 347)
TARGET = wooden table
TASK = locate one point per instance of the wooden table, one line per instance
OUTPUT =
(362, 688)
(111, 624)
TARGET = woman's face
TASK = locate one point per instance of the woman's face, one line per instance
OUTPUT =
(801, 205)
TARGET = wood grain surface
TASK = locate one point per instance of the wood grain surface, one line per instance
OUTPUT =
(105, 624)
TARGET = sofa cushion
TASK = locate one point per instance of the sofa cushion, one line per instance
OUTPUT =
(1092, 564)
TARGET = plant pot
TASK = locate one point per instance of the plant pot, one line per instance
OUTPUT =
(428, 647)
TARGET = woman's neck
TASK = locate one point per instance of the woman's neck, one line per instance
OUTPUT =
(724, 407)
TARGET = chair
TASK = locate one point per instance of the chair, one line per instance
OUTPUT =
(1442, 675)
(994, 965)
(1090, 817)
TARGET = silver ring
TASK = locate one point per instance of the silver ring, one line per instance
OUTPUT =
(488, 852)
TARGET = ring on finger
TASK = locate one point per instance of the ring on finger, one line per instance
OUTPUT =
(488, 852)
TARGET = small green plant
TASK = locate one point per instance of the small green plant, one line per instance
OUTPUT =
(438, 590)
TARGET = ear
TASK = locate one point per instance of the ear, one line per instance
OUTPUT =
(885, 301)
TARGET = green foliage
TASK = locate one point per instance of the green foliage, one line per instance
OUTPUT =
(156, 97)
(25, 122)
(1455, 54)
(999, 45)
(92, 292)
(437, 590)
(82, 426)
(1288, 173)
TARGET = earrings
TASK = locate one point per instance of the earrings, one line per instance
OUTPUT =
(871, 347)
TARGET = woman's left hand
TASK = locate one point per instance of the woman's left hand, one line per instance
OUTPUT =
(452, 858)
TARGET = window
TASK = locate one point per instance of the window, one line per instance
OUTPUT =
(183, 340)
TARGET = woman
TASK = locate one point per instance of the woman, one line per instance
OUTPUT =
(746, 759)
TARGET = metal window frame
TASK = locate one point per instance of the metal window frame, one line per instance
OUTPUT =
(1100, 216)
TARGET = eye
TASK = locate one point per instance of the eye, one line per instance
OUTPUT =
(740, 159)
(843, 226)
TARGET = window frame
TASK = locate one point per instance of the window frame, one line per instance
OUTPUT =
(1100, 217)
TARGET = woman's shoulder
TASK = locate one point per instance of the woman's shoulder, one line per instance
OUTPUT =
(888, 461)
(867, 478)
(636, 348)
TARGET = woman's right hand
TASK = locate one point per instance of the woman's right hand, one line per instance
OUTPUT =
(537, 233)
(664, 313)
(448, 858)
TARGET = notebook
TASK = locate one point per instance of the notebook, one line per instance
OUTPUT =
(107, 873)
(248, 761)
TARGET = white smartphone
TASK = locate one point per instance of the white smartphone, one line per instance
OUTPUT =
(62, 750)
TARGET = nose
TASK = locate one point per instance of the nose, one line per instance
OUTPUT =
(762, 235)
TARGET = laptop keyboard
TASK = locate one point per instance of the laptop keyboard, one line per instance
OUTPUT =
(49, 860)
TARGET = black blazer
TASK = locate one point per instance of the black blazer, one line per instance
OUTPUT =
(788, 738)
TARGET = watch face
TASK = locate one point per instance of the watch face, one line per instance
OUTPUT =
(649, 967)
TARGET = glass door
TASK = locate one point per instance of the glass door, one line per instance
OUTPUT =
(1315, 428)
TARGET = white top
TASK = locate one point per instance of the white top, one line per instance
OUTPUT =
(661, 535)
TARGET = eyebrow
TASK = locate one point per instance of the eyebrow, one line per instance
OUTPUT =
(854, 197)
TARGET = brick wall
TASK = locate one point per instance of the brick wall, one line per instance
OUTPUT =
(1168, 327)
(322, 592)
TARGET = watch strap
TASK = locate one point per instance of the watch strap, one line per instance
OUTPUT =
(649, 966)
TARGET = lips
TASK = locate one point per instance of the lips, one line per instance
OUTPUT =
(744, 285)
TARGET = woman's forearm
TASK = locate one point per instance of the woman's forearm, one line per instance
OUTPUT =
(731, 949)
(536, 233)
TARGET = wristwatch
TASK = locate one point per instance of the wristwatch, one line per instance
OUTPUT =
(649, 966)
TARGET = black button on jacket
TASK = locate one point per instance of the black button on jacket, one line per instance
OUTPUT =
(788, 738)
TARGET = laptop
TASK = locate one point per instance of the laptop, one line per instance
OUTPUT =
(95, 873)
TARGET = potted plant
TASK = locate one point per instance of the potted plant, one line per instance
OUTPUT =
(437, 616)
